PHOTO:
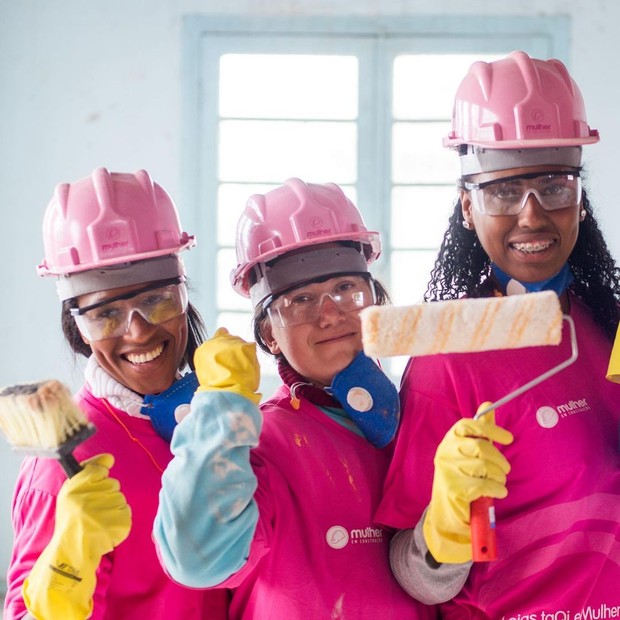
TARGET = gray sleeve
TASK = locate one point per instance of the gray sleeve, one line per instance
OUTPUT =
(417, 571)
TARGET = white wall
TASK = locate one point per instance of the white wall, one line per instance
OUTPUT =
(85, 84)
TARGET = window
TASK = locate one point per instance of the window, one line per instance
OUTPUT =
(360, 102)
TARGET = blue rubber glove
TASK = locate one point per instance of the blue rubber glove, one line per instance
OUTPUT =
(207, 514)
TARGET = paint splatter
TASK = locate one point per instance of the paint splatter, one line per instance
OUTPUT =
(338, 609)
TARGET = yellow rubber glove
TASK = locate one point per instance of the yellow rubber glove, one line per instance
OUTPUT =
(228, 363)
(92, 517)
(467, 466)
(613, 372)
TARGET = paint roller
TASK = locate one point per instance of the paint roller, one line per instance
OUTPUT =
(470, 326)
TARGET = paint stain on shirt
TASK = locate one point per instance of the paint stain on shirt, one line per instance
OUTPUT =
(300, 440)
(338, 609)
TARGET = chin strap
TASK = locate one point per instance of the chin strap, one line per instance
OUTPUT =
(558, 283)
(370, 399)
(167, 408)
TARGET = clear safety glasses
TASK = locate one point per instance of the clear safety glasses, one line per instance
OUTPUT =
(305, 303)
(507, 196)
(111, 317)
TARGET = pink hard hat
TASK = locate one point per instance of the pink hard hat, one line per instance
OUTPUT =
(107, 219)
(519, 102)
(293, 217)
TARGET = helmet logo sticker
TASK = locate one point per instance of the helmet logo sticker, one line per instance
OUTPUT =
(112, 233)
(317, 229)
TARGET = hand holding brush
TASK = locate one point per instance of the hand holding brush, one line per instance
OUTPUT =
(92, 515)
(41, 419)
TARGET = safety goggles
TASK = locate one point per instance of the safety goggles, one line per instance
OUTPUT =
(112, 317)
(507, 196)
(304, 304)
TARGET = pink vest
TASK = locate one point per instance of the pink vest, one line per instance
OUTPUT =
(130, 581)
(317, 553)
(558, 531)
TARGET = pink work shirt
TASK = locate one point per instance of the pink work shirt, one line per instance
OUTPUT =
(130, 580)
(317, 552)
(558, 531)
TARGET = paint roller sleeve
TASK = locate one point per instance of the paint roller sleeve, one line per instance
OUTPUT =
(463, 325)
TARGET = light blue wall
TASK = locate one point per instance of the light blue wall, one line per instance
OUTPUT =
(85, 84)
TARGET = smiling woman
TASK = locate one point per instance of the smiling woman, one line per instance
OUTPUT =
(522, 223)
(293, 510)
(138, 333)
(112, 241)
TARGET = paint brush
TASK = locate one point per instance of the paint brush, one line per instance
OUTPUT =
(41, 419)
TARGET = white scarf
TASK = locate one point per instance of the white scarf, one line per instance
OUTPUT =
(102, 385)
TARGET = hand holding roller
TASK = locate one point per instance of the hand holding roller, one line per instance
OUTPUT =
(482, 513)
(467, 467)
(467, 326)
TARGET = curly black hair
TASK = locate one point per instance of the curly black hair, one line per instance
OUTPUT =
(463, 268)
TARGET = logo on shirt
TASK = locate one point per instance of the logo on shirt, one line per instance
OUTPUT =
(338, 537)
(548, 417)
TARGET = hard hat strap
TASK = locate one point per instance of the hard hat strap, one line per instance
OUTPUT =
(300, 267)
(476, 159)
(123, 274)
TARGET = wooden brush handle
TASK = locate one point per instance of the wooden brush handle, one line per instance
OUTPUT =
(482, 523)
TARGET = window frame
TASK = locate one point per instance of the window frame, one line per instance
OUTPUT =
(377, 40)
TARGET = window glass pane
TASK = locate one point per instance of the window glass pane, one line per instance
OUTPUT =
(394, 367)
(273, 151)
(238, 323)
(267, 363)
(420, 215)
(231, 200)
(410, 273)
(226, 296)
(424, 84)
(288, 86)
(350, 191)
(418, 154)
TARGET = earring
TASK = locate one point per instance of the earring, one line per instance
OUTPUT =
(582, 214)
(466, 224)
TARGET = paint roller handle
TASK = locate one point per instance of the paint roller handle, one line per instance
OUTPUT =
(482, 510)
(482, 523)
(482, 514)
